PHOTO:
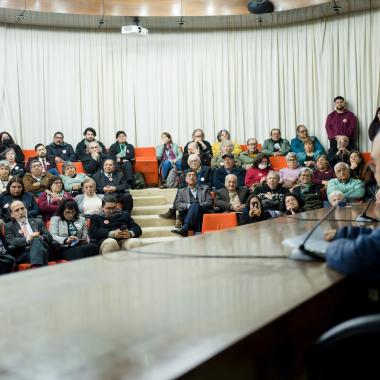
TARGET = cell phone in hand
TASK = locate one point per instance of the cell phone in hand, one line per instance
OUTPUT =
(124, 227)
(74, 243)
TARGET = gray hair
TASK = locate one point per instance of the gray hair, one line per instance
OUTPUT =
(339, 164)
(291, 155)
(193, 157)
(274, 174)
(5, 163)
(226, 143)
(335, 193)
(303, 170)
(228, 176)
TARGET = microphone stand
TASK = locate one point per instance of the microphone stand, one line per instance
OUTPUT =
(364, 217)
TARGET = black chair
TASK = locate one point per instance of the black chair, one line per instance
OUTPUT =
(347, 351)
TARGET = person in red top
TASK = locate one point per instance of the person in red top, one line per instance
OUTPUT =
(341, 122)
(258, 172)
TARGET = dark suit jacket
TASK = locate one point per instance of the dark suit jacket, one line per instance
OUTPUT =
(64, 151)
(90, 165)
(223, 199)
(100, 226)
(81, 149)
(118, 180)
(15, 237)
(204, 177)
(129, 152)
(221, 173)
(183, 197)
(50, 163)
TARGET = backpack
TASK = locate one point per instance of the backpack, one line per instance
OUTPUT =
(138, 181)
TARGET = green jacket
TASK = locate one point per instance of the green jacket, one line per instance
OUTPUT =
(268, 147)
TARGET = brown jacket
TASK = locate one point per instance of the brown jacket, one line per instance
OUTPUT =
(33, 186)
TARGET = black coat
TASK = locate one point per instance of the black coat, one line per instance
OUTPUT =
(64, 151)
(129, 152)
(102, 180)
(81, 149)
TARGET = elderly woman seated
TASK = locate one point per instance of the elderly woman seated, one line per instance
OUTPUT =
(222, 136)
(226, 147)
(253, 212)
(353, 189)
(16, 168)
(69, 229)
(336, 197)
(292, 204)
(323, 172)
(271, 193)
(5, 175)
(258, 172)
(89, 202)
(72, 181)
(289, 175)
(309, 155)
(309, 192)
(51, 198)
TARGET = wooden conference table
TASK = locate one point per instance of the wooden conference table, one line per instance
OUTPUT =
(223, 305)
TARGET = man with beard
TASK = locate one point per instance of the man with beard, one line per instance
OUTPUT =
(341, 122)
(59, 150)
(82, 148)
(48, 164)
(113, 230)
(29, 237)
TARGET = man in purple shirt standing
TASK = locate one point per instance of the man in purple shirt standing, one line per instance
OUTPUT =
(341, 122)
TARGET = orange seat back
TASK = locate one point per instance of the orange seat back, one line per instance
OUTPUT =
(147, 151)
(244, 147)
(367, 157)
(216, 222)
(28, 153)
(78, 166)
(278, 162)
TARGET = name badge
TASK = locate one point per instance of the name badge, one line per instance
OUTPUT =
(106, 221)
(16, 167)
(64, 151)
(202, 179)
(344, 120)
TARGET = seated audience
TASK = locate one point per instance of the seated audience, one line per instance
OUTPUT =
(192, 148)
(16, 192)
(292, 204)
(72, 181)
(5, 175)
(226, 147)
(309, 155)
(222, 136)
(276, 146)
(112, 229)
(271, 193)
(336, 197)
(341, 122)
(82, 148)
(17, 169)
(258, 172)
(323, 172)
(289, 176)
(192, 202)
(341, 153)
(360, 170)
(36, 181)
(247, 157)
(29, 237)
(310, 193)
(52, 197)
(353, 189)
(89, 202)
(59, 150)
(228, 168)
(231, 197)
(48, 165)
(374, 126)
(169, 155)
(253, 212)
(297, 144)
(93, 160)
(204, 173)
(7, 142)
(203, 148)
(123, 154)
(110, 181)
(69, 229)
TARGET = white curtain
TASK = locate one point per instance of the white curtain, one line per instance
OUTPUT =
(244, 80)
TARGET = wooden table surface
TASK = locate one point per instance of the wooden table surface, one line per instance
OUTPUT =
(147, 315)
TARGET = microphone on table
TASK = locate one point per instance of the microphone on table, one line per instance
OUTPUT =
(364, 217)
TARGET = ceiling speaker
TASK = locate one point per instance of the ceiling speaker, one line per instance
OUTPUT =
(260, 6)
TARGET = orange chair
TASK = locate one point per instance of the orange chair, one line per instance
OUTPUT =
(245, 148)
(28, 153)
(278, 162)
(78, 166)
(216, 222)
(367, 157)
(146, 163)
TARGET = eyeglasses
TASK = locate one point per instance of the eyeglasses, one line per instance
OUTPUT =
(94, 147)
(302, 131)
(57, 183)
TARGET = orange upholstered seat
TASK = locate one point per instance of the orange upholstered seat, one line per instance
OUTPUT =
(278, 162)
(28, 153)
(367, 157)
(215, 222)
(146, 163)
(78, 166)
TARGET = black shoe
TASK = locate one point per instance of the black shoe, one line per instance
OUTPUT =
(181, 231)
(170, 214)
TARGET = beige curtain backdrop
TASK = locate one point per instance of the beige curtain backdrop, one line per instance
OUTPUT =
(247, 81)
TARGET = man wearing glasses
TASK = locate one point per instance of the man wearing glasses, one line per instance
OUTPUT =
(246, 158)
(36, 180)
(297, 144)
(205, 151)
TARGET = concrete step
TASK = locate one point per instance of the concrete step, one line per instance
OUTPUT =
(150, 232)
(149, 200)
(152, 221)
(168, 194)
(155, 240)
(151, 210)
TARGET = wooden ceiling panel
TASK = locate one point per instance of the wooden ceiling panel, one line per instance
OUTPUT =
(142, 8)
(214, 7)
(12, 4)
(82, 7)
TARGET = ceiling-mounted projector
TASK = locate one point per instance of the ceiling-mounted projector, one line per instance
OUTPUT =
(134, 30)
(259, 7)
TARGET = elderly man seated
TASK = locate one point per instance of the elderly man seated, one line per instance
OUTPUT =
(352, 189)
(226, 147)
(231, 197)
(229, 167)
(36, 181)
(276, 146)
(204, 173)
(192, 202)
(247, 157)
(341, 153)
(94, 159)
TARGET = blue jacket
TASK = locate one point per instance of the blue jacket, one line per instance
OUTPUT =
(221, 173)
(355, 251)
(26, 198)
(298, 147)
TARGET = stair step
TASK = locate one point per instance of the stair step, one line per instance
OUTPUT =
(150, 210)
(149, 200)
(152, 221)
(154, 240)
(168, 194)
(163, 231)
